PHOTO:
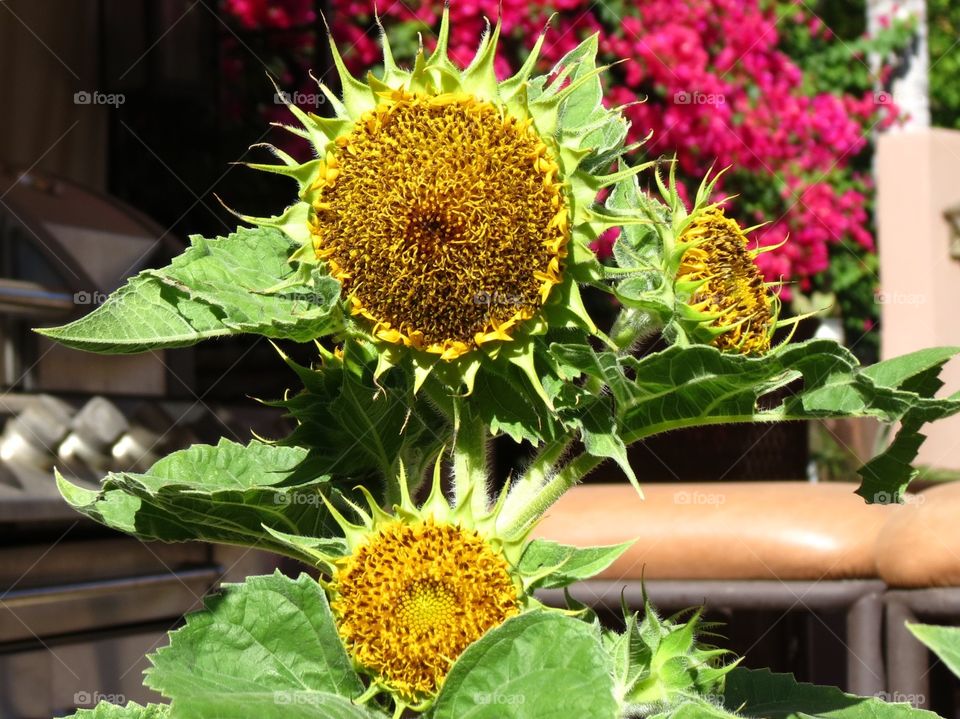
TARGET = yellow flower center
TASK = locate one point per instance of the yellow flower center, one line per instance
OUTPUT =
(731, 288)
(444, 220)
(414, 597)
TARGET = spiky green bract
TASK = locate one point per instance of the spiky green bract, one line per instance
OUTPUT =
(436, 509)
(648, 258)
(660, 663)
(587, 142)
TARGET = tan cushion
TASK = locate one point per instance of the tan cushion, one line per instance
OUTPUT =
(724, 530)
(920, 544)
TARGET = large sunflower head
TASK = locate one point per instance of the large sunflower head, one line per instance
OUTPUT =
(417, 585)
(456, 210)
(443, 218)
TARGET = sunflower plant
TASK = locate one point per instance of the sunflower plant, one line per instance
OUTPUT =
(436, 254)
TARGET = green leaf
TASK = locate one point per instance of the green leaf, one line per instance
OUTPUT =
(639, 245)
(352, 424)
(909, 368)
(223, 493)
(585, 104)
(559, 565)
(601, 438)
(942, 641)
(538, 664)
(699, 385)
(266, 648)
(505, 400)
(761, 693)
(238, 284)
(103, 710)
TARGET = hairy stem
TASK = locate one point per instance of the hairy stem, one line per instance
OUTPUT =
(519, 515)
(470, 461)
(525, 489)
(632, 326)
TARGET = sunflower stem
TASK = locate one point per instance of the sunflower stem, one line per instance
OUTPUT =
(632, 326)
(470, 469)
(518, 516)
(538, 472)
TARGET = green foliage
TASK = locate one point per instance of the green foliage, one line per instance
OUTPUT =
(267, 648)
(691, 386)
(225, 493)
(659, 665)
(534, 665)
(942, 641)
(552, 565)
(761, 693)
(238, 284)
(354, 426)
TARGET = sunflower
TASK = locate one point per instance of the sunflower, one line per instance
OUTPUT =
(417, 585)
(456, 210)
(700, 284)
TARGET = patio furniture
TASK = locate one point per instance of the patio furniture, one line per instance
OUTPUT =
(918, 556)
(737, 545)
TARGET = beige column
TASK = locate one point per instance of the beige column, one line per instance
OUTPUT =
(918, 178)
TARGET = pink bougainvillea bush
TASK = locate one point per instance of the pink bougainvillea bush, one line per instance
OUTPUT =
(765, 89)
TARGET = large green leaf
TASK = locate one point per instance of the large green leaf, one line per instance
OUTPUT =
(223, 493)
(761, 693)
(536, 665)
(242, 283)
(699, 385)
(266, 648)
(942, 641)
(132, 710)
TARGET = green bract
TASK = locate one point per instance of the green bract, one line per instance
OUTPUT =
(390, 405)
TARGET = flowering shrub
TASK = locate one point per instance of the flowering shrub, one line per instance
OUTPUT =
(943, 22)
(762, 88)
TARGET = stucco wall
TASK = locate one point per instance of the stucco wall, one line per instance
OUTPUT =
(918, 177)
